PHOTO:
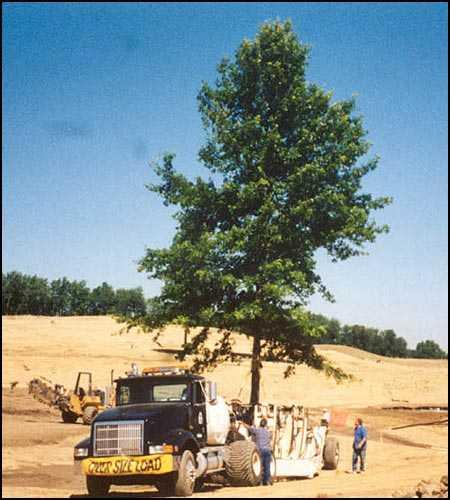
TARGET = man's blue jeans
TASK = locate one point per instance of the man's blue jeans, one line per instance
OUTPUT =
(266, 458)
(359, 455)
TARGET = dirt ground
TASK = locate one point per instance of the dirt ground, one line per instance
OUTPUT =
(37, 447)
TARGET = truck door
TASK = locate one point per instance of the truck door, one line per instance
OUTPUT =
(199, 414)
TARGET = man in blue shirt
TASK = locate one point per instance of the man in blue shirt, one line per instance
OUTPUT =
(262, 438)
(359, 446)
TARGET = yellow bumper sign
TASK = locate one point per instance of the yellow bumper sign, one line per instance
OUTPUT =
(127, 466)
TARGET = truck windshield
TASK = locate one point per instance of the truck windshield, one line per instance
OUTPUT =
(138, 391)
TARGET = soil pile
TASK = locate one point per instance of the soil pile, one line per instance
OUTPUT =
(426, 489)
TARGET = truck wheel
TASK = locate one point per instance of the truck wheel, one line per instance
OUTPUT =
(89, 414)
(243, 464)
(97, 486)
(331, 454)
(185, 482)
(69, 417)
(273, 468)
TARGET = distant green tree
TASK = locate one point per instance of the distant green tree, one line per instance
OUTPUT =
(102, 299)
(14, 298)
(24, 294)
(376, 342)
(429, 349)
(357, 336)
(61, 300)
(289, 183)
(79, 298)
(389, 343)
(385, 343)
(331, 329)
(37, 296)
(130, 302)
(401, 347)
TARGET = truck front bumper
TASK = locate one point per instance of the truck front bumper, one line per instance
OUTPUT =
(129, 465)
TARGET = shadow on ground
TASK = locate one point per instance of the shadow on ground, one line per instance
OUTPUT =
(146, 494)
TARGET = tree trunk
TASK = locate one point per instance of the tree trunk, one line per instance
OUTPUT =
(256, 370)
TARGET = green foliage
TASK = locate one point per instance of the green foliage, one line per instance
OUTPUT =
(69, 297)
(130, 302)
(102, 299)
(80, 297)
(385, 343)
(60, 297)
(23, 294)
(429, 349)
(243, 256)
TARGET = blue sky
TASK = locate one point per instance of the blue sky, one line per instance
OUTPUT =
(93, 91)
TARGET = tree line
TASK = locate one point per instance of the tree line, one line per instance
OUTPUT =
(383, 342)
(24, 294)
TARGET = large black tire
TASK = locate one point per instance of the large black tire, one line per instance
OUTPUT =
(331, 454)
(243, 464)
(69, 417)
(97, 486)
(89, 413)
(184, 482)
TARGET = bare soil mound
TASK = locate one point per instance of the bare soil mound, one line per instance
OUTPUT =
(37, 447)
(58, 348)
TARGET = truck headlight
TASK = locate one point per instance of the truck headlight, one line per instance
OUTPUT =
(80, 453)
(161, 448)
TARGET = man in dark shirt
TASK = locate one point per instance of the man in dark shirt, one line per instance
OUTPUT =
(359, 446)
(263, 439)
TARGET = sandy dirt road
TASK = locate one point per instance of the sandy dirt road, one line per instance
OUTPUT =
(37, 447)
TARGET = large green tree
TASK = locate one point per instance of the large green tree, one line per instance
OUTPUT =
(287, 169)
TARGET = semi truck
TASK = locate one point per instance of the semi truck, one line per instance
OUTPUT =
(171, 429)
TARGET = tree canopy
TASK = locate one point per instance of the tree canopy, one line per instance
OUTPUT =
(429, 349)
(24, 294)
(244, 254)
(384, 342)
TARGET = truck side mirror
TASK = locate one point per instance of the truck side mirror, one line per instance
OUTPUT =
(212, 391)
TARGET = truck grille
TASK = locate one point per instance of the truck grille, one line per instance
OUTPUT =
(118, 438)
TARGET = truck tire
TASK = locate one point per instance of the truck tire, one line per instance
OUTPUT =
(185, 480)
(243, 464)
(69, 417)
(331, 454)
(273, 468)
(89, 413)
(97, 486)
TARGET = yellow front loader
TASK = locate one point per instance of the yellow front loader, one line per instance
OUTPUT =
(84, 402)
(81, 402)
